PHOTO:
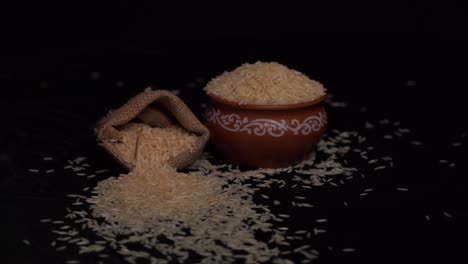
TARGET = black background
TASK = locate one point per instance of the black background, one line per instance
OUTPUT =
(363, 53)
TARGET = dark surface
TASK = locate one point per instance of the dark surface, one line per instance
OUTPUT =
(49, 105)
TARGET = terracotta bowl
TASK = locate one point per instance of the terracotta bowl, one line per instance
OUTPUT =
(265, 136)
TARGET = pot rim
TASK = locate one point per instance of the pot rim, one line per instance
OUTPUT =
(267, 107)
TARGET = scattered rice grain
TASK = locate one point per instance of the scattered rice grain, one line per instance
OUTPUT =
(401, 189)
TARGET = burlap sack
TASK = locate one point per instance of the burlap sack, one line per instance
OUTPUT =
(157, 108)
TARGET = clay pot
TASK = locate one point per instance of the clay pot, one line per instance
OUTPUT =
(265, 136)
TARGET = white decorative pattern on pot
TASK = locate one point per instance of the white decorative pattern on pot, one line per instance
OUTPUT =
(261, 127)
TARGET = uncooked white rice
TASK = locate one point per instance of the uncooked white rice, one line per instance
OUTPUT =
(319, 231)
(79, 160)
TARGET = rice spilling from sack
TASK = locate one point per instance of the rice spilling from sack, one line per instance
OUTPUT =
(153, 191)
(202, 215)
(265, 83)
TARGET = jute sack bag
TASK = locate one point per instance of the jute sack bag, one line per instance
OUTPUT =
(156, 108)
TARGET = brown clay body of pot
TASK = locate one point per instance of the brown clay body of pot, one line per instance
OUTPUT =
(265, 136)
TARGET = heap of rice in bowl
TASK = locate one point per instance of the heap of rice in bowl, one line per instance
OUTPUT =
(265, 83)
